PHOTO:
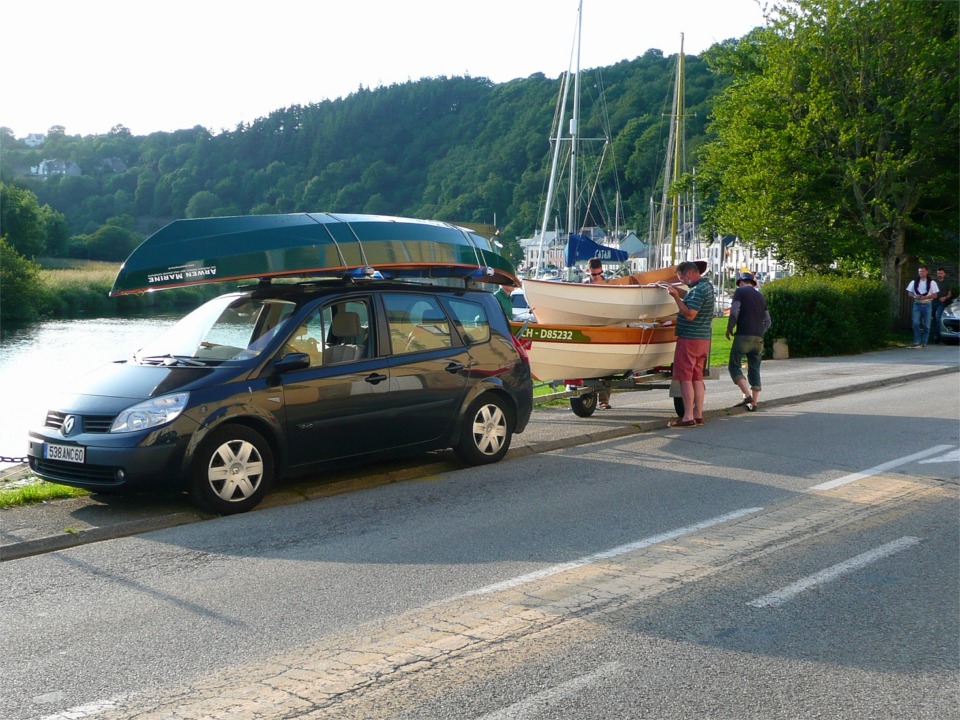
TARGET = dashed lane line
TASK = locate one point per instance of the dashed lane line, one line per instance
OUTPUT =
(853, 477)
(833, 572)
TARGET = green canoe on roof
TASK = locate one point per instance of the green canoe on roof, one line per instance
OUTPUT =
(206, 250)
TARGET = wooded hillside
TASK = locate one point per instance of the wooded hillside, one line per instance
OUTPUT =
(457, 149)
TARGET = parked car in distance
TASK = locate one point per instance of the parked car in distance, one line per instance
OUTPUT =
(284, 377)
(950, 322)
(521, 309)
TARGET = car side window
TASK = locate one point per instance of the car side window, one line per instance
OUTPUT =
(308, 339)
(471, 320)
(416, 322)
(346, 331)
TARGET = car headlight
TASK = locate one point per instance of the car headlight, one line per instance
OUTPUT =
(150, 413)
(952, 310)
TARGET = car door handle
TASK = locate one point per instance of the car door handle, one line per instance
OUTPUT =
(375, 378)
(454, 367)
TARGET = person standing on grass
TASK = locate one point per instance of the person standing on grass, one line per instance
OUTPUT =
(749, 320)
(694, 328)
(595, 268)
(923, 290)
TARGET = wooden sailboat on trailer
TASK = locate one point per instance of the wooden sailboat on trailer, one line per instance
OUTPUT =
(595, 330)
(632, 298)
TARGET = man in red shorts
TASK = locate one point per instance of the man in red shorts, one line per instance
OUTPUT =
(694, 329)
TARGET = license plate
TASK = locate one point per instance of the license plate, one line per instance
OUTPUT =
(66, 453)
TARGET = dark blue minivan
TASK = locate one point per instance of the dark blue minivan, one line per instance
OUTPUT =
(279, 378)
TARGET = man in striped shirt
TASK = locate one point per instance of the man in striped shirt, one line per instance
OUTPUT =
(694, 329)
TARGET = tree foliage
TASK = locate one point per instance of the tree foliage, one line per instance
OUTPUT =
(22, 289)
(838, 138)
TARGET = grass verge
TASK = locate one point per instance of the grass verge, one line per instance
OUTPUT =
(32, 491)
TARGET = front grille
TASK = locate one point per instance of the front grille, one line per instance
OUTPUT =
(58, 470)
(952, 324)
(88, 423)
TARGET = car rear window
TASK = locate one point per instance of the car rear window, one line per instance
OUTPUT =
(416, 322)
(471, 320)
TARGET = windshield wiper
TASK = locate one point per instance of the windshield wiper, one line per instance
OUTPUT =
(169, 359)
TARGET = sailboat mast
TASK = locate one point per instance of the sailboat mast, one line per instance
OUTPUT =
(677, 151)
(553, 173)
(572, 225)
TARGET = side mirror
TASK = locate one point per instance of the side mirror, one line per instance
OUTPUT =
(292, 361)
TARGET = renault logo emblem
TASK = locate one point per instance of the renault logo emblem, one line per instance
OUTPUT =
(68, 423)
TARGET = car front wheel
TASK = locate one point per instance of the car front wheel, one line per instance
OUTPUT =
(485, 431)
(233, 470)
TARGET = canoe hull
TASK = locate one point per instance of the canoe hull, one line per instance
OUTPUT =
(207, 250)
(567, 352)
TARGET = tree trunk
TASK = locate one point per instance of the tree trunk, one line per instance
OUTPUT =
(892, 263)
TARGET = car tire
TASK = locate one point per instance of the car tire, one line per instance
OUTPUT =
(584, 405)
(486, 430)
(232, 470)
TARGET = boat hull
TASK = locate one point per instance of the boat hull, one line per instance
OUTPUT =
(568, 352)
(559, 303)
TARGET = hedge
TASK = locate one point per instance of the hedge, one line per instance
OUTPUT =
(820, 315)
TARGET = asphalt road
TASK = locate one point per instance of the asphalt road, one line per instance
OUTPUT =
(801, 561)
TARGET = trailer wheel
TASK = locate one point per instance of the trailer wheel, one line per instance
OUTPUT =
(584, 405)
(678, 406)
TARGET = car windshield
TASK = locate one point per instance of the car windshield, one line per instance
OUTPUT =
(228, 328)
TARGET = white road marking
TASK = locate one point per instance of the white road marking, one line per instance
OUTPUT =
(82, 711)
(831, 484)
(832, 573)
(603, 555)
(950, 457)
(534, 705)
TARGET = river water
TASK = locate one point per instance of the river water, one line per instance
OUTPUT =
(39, 361)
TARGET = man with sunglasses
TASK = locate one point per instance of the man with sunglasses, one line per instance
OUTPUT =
(694, 330)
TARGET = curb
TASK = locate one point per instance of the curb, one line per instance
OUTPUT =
(39, 546)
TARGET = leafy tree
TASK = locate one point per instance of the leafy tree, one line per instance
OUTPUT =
(202, 204)
(109, 243)
(21, 290)
(838, 139)
(21, 220)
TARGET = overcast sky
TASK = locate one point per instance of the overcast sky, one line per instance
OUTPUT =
(161, 66)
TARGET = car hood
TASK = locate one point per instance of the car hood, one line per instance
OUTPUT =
(118, 385)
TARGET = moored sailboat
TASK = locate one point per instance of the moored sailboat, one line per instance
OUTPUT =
(631, 298)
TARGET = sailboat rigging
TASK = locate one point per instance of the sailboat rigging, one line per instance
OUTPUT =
(581, 245)
(673, 235)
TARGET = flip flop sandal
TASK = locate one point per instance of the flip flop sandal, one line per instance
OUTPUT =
(682, 424)
(605, 406)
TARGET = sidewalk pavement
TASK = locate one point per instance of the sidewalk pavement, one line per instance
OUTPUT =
(36, 529)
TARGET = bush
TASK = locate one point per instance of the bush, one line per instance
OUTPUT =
(21, 289)
(822, 315)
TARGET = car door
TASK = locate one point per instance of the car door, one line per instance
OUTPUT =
(429, 368)
(335, 407)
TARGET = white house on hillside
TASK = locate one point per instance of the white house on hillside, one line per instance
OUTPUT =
(56, 167)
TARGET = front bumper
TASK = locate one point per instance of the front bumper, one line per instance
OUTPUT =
(111, 464)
